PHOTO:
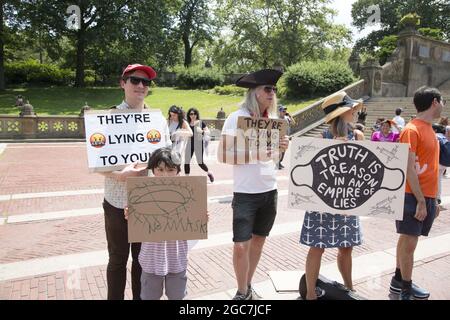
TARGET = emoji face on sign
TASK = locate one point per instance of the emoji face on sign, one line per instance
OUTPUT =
(154, 136)
(97, 140)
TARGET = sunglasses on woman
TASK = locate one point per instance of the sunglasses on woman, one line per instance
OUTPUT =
(136, 80)
(269, 89)
(192, 114)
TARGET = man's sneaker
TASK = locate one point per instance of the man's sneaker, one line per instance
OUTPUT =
(252, 293)
(211, 177)
(417, 292)
(406, 295)
(241, 296)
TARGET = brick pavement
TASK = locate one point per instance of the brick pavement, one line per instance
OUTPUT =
(210, 269)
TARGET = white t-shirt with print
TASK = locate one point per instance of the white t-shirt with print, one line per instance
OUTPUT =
(249, 178)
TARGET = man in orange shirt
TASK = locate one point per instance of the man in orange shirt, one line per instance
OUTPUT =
(420, 207)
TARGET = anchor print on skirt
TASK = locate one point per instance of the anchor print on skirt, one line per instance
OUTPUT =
(326, 230)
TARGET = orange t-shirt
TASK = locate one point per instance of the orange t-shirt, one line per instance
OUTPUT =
(423, 142)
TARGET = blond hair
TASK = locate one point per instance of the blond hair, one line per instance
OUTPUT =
(339, 127)
(250, 103)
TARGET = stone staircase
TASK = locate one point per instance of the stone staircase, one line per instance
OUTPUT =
(384, 107)
(316, 132)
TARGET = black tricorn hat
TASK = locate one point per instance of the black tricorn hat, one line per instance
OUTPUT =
(259, 78)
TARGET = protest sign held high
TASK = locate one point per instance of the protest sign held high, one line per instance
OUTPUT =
(116, 138)
(355, 178)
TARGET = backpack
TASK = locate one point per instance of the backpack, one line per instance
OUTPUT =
(444, 152)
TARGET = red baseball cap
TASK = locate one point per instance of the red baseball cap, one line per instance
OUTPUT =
(133, 67)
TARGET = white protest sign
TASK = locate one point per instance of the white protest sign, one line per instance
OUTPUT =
(116, 138)
(348, 177)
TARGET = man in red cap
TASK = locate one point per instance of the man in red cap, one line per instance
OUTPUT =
(135, 82)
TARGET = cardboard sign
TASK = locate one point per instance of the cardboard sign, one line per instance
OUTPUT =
(348, 177)
(117, 138)
(167, 208)
(262, 132)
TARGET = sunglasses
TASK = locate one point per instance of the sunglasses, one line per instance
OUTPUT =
(192, 114)
(269, 89)
(137, 80)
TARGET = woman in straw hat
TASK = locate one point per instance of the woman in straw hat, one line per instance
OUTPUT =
(324, 230)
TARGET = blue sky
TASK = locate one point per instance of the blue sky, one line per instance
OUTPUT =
(344, 9)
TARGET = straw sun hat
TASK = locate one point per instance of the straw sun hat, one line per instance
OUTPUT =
(337, 104)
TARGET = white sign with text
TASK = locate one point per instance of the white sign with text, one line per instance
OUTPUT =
(116, 138)
(348, 177)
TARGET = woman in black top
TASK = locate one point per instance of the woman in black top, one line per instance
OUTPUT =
(195, 144)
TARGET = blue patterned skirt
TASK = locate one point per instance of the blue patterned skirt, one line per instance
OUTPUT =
(326, 230)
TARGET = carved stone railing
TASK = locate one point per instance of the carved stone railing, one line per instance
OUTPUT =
(61, 127)
(72, 127)
(313, 115)
(41, 127)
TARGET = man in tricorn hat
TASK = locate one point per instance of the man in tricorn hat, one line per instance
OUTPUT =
(255, 186)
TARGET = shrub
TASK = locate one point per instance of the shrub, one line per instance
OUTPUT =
(436, 34)
(387, 46)
(199, 78)
(410, 20)
(231, 90)
(312, 78)
(33, 72)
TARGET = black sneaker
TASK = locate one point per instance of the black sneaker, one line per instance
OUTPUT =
(252, 293)
(211, 177)
(406, 295)
(241, 296)
(417, 292)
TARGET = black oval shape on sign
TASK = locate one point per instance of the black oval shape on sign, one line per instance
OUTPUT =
(346, 175)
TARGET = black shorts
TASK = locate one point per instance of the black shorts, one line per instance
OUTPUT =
(410, 225)
(253, 214)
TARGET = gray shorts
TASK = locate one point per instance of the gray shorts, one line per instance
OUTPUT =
(152, 286)
(410, 225)
(253, 214)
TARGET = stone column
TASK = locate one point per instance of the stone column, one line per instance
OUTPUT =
(29, 121)
(372, 73)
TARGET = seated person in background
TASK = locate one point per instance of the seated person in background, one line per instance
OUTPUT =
(385, 134)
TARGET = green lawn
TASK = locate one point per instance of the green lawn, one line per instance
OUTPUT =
(68, 101)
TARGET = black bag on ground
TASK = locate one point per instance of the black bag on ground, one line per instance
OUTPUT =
(333, 290)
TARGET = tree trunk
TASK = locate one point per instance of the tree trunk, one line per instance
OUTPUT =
(81, 45)
(2, 55)
(41, 60)
(187, 52)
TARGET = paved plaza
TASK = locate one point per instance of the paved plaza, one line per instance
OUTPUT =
(53, 243)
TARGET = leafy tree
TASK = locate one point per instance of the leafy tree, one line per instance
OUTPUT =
(265, 33)
(433, 13)
(7, 16)
(194, 24)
